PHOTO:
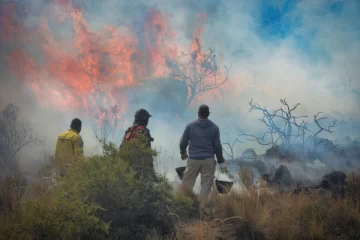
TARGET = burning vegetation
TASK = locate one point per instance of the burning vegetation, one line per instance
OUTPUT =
(93, 71)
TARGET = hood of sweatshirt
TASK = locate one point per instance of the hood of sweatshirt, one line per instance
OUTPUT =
(203, 123)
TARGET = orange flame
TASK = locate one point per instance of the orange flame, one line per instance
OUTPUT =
(89, 70)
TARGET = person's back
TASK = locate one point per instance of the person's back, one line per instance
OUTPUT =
(203, 138)
(69, 146)
(136, 129)
(143, 166)
(202, 133)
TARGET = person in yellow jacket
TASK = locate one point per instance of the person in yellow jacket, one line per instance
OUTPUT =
(69, 146)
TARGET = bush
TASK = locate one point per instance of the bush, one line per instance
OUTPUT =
(102, 198)
(12, 189)
(53, 216)
(133, 205)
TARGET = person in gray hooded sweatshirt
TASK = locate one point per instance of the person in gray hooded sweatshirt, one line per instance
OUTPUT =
(203, 138)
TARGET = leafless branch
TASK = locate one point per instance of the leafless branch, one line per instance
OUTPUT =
(259, 140)
(14, 136)
(231, 147)
(200, 72)
(281, 124)
(321, 129)
(269, 119)
(107, 123)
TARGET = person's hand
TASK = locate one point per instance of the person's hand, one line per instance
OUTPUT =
(184, 156)
(223, 168)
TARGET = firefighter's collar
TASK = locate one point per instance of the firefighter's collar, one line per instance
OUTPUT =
(72, 130)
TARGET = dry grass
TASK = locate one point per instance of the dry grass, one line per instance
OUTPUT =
(353, 185)
(197, 230)
(256, 214)
(246, 177)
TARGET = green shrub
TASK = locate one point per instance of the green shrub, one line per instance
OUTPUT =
(102, 198)
(133, 205)
(53, 216)
(12, 189)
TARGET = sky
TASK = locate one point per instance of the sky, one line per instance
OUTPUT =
(301, 50)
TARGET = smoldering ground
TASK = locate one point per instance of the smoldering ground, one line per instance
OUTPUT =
(299, 50)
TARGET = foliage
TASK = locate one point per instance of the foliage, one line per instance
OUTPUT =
(53, 216)
(12, 189)
(101, 198)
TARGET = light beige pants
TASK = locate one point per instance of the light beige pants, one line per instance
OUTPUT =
(207, 170)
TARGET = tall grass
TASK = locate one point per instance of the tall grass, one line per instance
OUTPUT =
(255, 214)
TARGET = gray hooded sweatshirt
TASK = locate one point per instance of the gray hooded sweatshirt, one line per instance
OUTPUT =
(203, 138)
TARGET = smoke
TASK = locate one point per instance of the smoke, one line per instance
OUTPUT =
(303, 51)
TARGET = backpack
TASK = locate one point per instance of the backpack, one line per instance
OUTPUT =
(131, 133)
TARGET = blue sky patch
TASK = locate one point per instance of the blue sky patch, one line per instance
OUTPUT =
(273, 21)
(276, 22)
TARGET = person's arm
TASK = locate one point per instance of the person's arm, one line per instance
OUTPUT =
(148, 135)
(78, 146)
(184, 140)
(218, 147)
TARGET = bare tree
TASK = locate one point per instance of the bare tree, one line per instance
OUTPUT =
(321, 129)
(289, 130)
(14, 136)
(280, 124)
(107, 123)
(102, 131)
(231, 147)
(200, 72)
(302, 128)
(261, 140)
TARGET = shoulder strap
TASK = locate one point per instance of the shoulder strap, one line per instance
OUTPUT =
(139, 128)
(130, 132)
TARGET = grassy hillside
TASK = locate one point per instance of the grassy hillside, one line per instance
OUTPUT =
(104, 198)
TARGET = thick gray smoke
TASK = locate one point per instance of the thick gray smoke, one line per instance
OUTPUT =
(304, 51)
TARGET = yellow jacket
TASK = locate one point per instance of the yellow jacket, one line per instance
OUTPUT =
(69, 147)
